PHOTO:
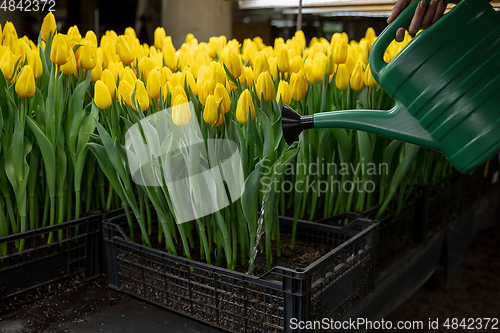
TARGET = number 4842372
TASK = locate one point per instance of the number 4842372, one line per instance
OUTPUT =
(28, 5)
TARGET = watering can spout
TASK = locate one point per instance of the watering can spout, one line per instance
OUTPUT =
(396, 123)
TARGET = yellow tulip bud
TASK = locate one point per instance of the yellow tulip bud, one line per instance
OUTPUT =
(48, 26)
(25, 84)
(329, 65)
(342, 78)
(88, 55)
(59, 52)
(370, 35)
(298, 86)
(167, 88)
(125, 92)
(265, 87)
(154, 84)
(96, 71)
(261, 65)
(35, 62)
(300, 38)
(222, 96)
(109, 80)
(74, 34)
(124, 50)
(109, 54)
(297, 64)
(169, 56)
(217, 73)
(9, 29)
(234, 64)
(191, 82)
(247, 76)
(283, 61)
(208, 88)
(181, 113)
(146, 65)
(102, 98)
(91, 37)
(284, 93)
(141, 95)
(340, 51)
(166, 75)
(273, 67)
(357, 79)
(245, 103)
(319, 62)
(159, 38)
(177, 79)
(368, 77)
(211, 112)
(365, 50)
(70, 66)
(249, 51)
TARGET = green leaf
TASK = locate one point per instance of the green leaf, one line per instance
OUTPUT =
(74, 116)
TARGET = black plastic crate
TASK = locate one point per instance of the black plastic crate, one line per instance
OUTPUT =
(395, 228)
(238, 302)
(438, 205)
(42, 268)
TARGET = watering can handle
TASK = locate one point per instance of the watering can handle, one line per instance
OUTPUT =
(377, 62)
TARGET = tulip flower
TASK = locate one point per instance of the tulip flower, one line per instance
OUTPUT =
(59, 52)
(128, 75)
(297, 64)
(245, 103)
(88, 55)
(191, 82)
(109, 80)
(234, 64)
(91, 37)
(141, 95)
(74, 34)
(284, 93)
(370, 35)
(35, 62)
(298, 86)
(342, 78)
(340, 51)
(329, 65)
(249, 51)
(169, 56)
(124, 50)
(153, 84)
(365, 50)
(180, 111)
(96, 71)
(48, 26)
(125, 92)
(9, 29)
(102, 98)
(159, 38)
(25, 84)
(211, 112)
(357, 79)
(222, 96)
(283, 61)
(265, 87)
(261, 65)
(70, 66)
(368, 77)
(273, 67)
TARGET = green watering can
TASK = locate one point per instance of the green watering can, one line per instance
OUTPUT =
(446, 84)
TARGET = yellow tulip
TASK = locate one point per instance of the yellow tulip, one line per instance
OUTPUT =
(265, 87)
(370, 35)
(191, 82)
(60, 51)
(297, 64)
(141, 95)
(273, 67)
(25, 84)
(146, 65)
(167, 88)
(48, 26)
(245, 103)
(319, 62)
(357, 79)
(124, 50)
(169, 56)
(283, 61)
(365, 50)
(298, 86)
(109, 54)
(9, 29)
(109, 80)
(128, 75)
(74, 34)
(125, 92)
(159, 38)
(166, 75)
(180, 110)
(222, 96)
(91, 37)
(340, 51)
(300, 38)
(96, 71)
(284, 93)
(249, 51)
(207, 88)
(247, 76)
(368, 77)
(102, 98)
(35, 62)
(234, 64)
(329, 65)
(342, 78)
(261, 64)
(88, 55)
(154, 84)
(177, 79)
(70, 66)
(217, 73)
(211, 112)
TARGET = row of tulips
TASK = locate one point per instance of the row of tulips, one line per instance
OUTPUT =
(75, 94)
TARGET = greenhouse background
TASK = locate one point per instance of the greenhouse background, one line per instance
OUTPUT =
(152, 176)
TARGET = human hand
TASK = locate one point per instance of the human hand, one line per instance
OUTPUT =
(425, 15)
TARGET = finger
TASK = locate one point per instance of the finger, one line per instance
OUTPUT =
(416, 22)
(441, 7)
(397, 9)
(429, 14)
(400, 35)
